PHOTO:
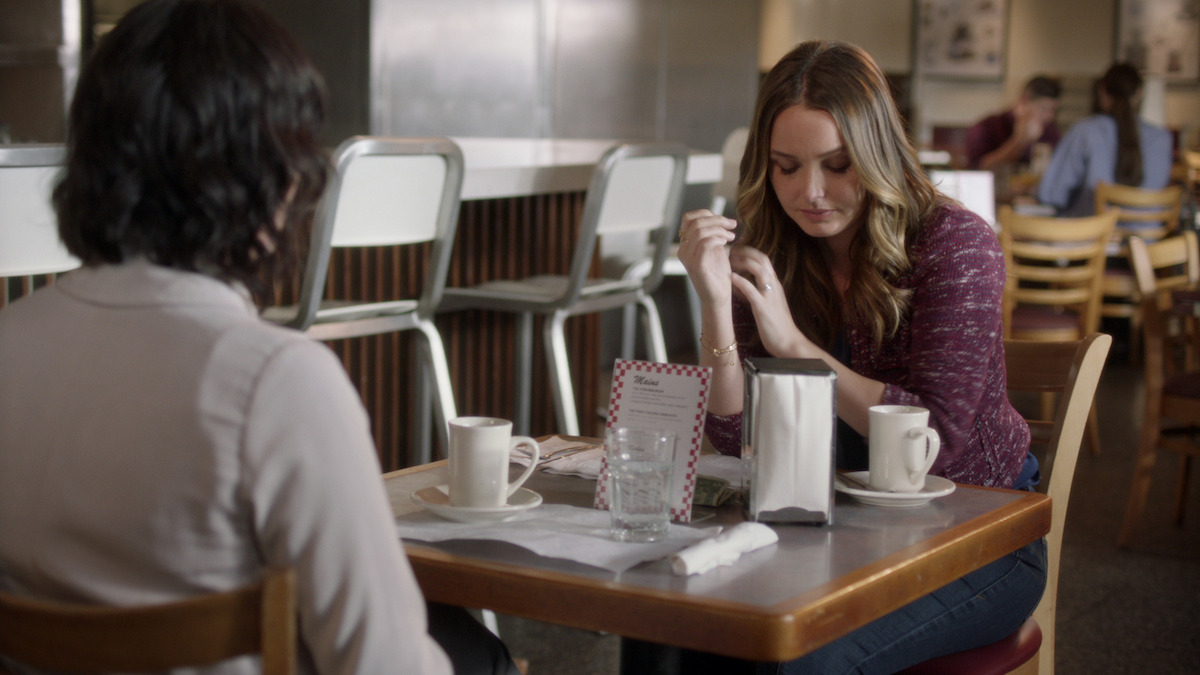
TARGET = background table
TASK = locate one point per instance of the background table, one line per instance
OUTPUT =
(817, 584)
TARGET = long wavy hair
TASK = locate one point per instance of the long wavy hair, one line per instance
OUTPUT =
(1123, 84)
(192, 142)
(844, 81)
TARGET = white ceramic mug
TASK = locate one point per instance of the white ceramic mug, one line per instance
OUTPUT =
(902, 447)
(479, 457)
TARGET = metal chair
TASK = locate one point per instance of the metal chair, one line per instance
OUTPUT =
(29, 243)
(724, 196)
(1149, 214)
(635, 189)
(256, 619)
(388, 192)
(1172, 378)
(1072, 371)
(724, 192)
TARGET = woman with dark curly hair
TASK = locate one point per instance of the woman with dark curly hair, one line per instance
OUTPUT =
(849, 255)
(157, 438)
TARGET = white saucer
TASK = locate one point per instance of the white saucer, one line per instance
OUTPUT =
(935, 486)
(437, 500)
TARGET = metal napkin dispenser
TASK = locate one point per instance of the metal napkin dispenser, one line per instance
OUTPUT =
(789, 440)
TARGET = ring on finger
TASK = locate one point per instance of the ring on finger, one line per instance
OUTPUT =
(767, 288)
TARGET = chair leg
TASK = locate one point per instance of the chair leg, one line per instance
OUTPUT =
(656, 346)
(438, 372)
(420, 443)
(1143, 471)
(693, 299)
(1135, 336)
(1049, 403)
(1185, 475)
(562, 390)
(523, 375)
(628, 330)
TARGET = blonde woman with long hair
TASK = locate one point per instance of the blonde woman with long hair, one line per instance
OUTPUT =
(850, 255)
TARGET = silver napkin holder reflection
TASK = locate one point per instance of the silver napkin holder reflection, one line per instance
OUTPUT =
(789, 439)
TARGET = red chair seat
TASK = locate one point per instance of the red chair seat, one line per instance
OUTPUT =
(1002, 656)
(1042, 318)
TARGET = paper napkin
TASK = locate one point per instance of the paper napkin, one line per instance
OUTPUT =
(723, 549)
(565, 457)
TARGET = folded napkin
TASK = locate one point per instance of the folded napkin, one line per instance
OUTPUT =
(723, 549)
(565, 457)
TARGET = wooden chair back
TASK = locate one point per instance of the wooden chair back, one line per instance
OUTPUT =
(257, 619)
(1150, 214)
(1171, 374)
(1160, 268)
(1191, 160)
(1072, 371)
(1164, 266)
(1055, 266)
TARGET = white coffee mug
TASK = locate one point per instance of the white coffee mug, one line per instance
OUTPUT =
(902, 447)
(479, 457)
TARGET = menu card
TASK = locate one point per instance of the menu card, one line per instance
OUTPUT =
(661, 397)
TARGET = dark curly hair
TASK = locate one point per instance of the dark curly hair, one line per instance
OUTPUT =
(192, 142)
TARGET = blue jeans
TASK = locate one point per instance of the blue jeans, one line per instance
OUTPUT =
(977, 609)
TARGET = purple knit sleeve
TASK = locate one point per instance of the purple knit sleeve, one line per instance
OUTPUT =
(953, 359)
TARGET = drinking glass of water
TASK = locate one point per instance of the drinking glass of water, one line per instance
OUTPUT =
(640, 466)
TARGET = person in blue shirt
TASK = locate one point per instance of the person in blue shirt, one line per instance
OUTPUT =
(1113, 146)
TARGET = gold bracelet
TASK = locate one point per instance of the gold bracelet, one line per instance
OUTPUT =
(718, 353)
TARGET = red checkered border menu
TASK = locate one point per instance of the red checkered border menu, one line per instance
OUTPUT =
(693, 420)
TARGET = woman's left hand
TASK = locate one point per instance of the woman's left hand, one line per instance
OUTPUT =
(755, 279)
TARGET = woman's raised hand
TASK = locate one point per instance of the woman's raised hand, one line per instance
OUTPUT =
(754, 279)
(703, 237)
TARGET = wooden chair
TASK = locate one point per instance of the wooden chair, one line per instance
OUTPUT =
(1149, 214)
(1191, 162)
(1072, 371)
(1172, 390)
(1055, 269)
(257, 619)
(1055, 272)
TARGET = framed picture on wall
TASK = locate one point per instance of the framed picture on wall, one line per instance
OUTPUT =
(961, 38)
(1160, 37)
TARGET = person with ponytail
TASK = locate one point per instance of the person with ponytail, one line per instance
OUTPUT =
(847, 253)
(1112, 146)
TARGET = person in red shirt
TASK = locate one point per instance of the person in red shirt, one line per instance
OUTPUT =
(1008, 138)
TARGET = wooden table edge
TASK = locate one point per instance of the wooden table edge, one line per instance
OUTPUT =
(781, 632)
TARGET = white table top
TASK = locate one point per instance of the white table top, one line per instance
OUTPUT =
(517, 167)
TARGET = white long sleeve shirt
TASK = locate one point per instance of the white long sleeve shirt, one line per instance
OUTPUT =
(158, 440)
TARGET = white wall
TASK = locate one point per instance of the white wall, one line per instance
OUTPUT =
(1072, 39)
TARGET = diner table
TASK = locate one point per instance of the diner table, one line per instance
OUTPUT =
(817, 583)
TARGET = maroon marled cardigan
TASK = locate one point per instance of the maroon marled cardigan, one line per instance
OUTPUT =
(948, 355)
